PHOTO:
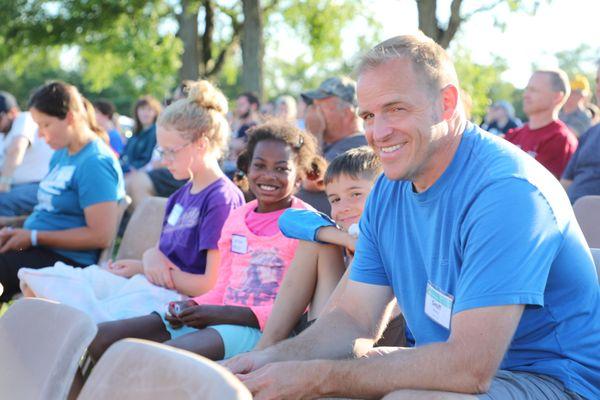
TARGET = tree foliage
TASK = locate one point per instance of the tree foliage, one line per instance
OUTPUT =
(483, 82)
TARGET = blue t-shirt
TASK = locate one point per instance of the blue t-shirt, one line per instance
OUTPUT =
(75, 182)
(495, 229)
(116, 142)
(138, 149)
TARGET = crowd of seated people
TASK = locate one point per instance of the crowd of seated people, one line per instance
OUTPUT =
(368, 220)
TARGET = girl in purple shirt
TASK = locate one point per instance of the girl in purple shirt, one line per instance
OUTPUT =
(191, 135)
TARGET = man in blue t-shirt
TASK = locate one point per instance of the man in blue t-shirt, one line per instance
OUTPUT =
(476, 241)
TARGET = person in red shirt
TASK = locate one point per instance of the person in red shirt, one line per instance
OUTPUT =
(544, 136)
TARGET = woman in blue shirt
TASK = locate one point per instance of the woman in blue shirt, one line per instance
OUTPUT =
(76, 214)
(138, 149)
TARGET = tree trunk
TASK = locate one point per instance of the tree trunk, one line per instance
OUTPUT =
(430, 25)
(188, 33)
(252, 48)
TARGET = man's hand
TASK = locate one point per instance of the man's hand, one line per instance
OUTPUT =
(247, 362)
(273, 381)
(15, 239)
(125, 268)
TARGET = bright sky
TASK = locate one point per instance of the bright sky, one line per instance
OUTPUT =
(561, 25)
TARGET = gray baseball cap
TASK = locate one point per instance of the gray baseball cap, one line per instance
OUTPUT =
(7, 101)
(342, 87)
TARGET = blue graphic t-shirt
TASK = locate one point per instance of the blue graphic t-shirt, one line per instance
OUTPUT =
(75, 182)
(495, 229)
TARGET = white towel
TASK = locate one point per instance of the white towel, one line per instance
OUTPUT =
(102, 294)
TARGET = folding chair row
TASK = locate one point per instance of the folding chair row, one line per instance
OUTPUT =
(42, 342)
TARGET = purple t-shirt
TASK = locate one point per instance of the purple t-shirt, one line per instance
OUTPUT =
(193, 223)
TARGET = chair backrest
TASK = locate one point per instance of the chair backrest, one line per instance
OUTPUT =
(108, 252)
(41, 343)
(142, 370)
(143, 229)
(587, 211)
(596, 255)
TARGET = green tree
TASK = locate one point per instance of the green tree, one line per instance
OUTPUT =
(117, 41)
(482, 82)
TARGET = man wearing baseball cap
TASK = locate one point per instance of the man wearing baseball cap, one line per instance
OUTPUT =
(331, 117)
(574, 113)
(24, 159)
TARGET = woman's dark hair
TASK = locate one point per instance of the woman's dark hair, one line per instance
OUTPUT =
(57, 98)
(54, 99)
(302, 143)
(145, 101)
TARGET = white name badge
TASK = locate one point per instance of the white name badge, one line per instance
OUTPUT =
(239, 244)
(175, 214)
(438, 305)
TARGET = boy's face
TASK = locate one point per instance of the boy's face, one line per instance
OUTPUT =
(347, 197)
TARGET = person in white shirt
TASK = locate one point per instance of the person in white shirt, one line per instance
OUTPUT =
(24, 159)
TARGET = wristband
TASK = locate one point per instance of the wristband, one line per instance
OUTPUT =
(34, 237)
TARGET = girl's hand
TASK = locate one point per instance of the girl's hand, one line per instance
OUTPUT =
(125, 268)
(200, 316)
(15, 239)
(173, 321)
(175, 308)
(156, 269)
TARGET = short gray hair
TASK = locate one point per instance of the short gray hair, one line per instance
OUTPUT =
(429, 60)
(559, 81)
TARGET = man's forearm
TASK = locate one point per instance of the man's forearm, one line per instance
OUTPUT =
(438, 366)
(335, 335)
(13, 156)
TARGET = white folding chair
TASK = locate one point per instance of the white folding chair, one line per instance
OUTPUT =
(143, 229)
(587, 212)
(41, 343)
(134, 369)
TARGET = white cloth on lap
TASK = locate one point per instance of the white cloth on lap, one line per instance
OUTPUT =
(101, 294)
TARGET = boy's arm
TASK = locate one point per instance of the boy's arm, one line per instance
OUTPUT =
(334, 235)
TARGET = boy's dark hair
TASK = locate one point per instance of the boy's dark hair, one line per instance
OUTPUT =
(357, 163)
(252, 99)
(105, 107)
(303, 144)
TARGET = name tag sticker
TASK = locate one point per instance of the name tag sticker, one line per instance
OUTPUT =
(438, 305)
(239, 244)
(175, 214)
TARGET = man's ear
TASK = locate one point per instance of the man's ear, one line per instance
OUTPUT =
(450, 99)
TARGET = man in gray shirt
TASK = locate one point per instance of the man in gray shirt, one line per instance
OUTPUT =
(582, 175)
(574, 112)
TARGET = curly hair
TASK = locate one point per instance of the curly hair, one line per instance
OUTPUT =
(303, 144)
